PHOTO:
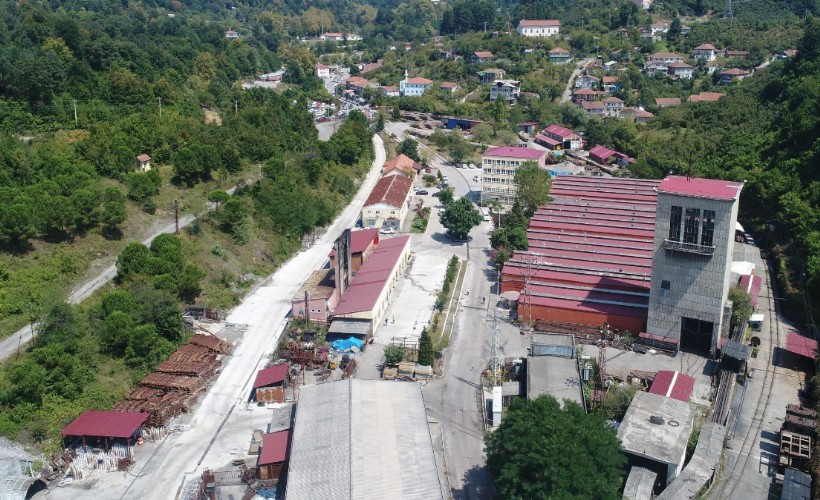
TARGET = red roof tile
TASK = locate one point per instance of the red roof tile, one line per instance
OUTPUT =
(514, 152)
(418, 81)
(700, 188)
(144, 158)
(370, 280)
(391, 190)
(531, 23)
(673, 385)
(275, 448)
(667, 101)
(403, 163)
(118, 424)
(483, 54)
(271, 375)
(360, 240)
(706, 46)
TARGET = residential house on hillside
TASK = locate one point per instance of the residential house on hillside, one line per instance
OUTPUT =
(481, 57)
(613, 106)
(594, 108)
(653, 68)
(390, 91)
(566, 138)
(713, 66)
(143, 163)
(740, 54)
(679, 70)
(787, 54)
(661, 27)
(508, 90)
(231, 35)
(609, 83)
(667, 102)
(388, 202)
(641, 116)
(401, 165)
(647, 34)
(322, 71)
(490, 75)
(731, 75)
(339, 37)
(587, 82)
(449, 87)
(706, 51)
(666, 57)
(370, 67)
(357, 84)
(413, 87)
(644, 4)
(584, 95)
(685, 30)
(545, 28)
(559, 55)
(705, 97)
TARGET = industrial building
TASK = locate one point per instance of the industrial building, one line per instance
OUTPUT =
(364, 302)
(647, 257)
(553, 369)
(362, 439)
(654, 434)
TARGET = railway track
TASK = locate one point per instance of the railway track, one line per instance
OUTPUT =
(726, 485)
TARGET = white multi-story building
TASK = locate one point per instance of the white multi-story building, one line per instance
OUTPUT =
(498, 169)
(547, 27)
(410, 87)
(509, 90)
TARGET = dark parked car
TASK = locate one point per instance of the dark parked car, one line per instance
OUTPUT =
(436, 194)
(422, 192)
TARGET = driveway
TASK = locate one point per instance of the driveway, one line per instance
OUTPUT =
(567, 95)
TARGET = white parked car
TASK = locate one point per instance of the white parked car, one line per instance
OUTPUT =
(387, 230)
(471, 165)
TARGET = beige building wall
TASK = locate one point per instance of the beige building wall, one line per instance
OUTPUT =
(383, 215)
(498, 177)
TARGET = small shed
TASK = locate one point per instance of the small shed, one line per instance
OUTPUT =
(269, 386)
(274, 455)
(796, 485)
(756, 322)
(143, 163)
(673, 384)
(103, 428)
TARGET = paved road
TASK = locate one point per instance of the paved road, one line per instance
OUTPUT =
(10, 345)
(567, 95)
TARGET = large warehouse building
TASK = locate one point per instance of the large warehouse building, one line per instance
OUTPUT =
(594, 249)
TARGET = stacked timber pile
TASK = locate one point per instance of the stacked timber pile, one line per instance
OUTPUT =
(583, 334)
(176, 384)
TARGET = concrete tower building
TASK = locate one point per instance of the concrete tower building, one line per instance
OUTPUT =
(692, 260)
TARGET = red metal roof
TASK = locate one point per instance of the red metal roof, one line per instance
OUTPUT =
(558, 274)
(560, 131)
(701, 188)
(575, 305)
(548, 140)
(673, 385)
(391, 190)
(359, 240)
(271, 375)
(752, 286)
(118, 424)
(275, 448)
(367, 285)
(513, 152)
(801, 345)
(601, 152)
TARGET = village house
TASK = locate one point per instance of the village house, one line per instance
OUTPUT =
(584, 95)
(339, 37)
(390, 91)
(490, 75)
(413, 87)
(705, 97)
(644, 4)
(713, 66)
(685, 30)
(594, 108)
(449, 87)
(545, 28)
(706, 51)
(388, 202)
(508, 90)
(143, 163)
(587, 82)
(357, 84)
(613, 107)
(679, 70)
(667, 102)
(731, 75)
(641, 116)
(559, 55)
(740, 54)
(566, 138)
(322, 71)
(647, 34)
(665, 57)
(231, 35)
(609, 84)
(653, 68)
(481, 57)
(402, 165)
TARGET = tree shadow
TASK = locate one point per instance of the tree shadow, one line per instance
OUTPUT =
(478, 485)
(16, 248)
(112, 233)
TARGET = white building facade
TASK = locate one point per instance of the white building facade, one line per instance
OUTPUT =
(545, 28)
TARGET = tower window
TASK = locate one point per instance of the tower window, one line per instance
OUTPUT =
(708, 236)
(691, 226)
(674, 223)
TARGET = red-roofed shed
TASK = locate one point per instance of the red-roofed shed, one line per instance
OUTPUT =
(673, 385)
(751, 284)
(102, 425)
(801, 345)
(274, 455)
(269, 386)
(601, 154)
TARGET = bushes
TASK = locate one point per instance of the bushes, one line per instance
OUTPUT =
(393, 354)
(444, 294)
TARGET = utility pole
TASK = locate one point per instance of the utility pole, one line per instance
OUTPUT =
(485, 27)
(176, 215)
(307, 311)
(236, 107)
(160, 106)
(75, 111)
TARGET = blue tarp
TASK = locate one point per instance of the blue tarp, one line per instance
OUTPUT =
(344, 345)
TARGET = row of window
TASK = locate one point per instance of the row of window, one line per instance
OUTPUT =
(499, 180)
(501, 163)
(500, 171)
(392, 212)
(698, 226)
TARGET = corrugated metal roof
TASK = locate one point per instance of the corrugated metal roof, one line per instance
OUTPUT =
(362, 439)
(366, 287)
(735, 350)
(752, 286)
(119, 424)
(346, 326)
(796, 485)
(702, 188)
(801, 345)
(515, 152)
(275, 448)
(673, 384)
(271, 375)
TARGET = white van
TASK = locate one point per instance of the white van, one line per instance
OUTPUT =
(485, 212)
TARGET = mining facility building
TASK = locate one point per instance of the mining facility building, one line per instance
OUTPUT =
(644, 256)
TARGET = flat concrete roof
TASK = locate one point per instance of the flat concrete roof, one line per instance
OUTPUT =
(362, 439)
(555, 376)
(665, 443)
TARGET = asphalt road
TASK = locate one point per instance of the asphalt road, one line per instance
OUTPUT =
(567, 95)
(17, 341)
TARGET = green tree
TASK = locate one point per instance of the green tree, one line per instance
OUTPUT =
(134, 259)
(396, 113)
(533, 185)
(500, 112)
(393, 354)
(114, 212)
(460, 217)
(482, 133)
(741, 305)
(675, 30)
(459, 148)
(445, 195)
(540, 450)
(379, 123)
(409, 147)
(218, 196)
(426, 354)
(141, 186)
